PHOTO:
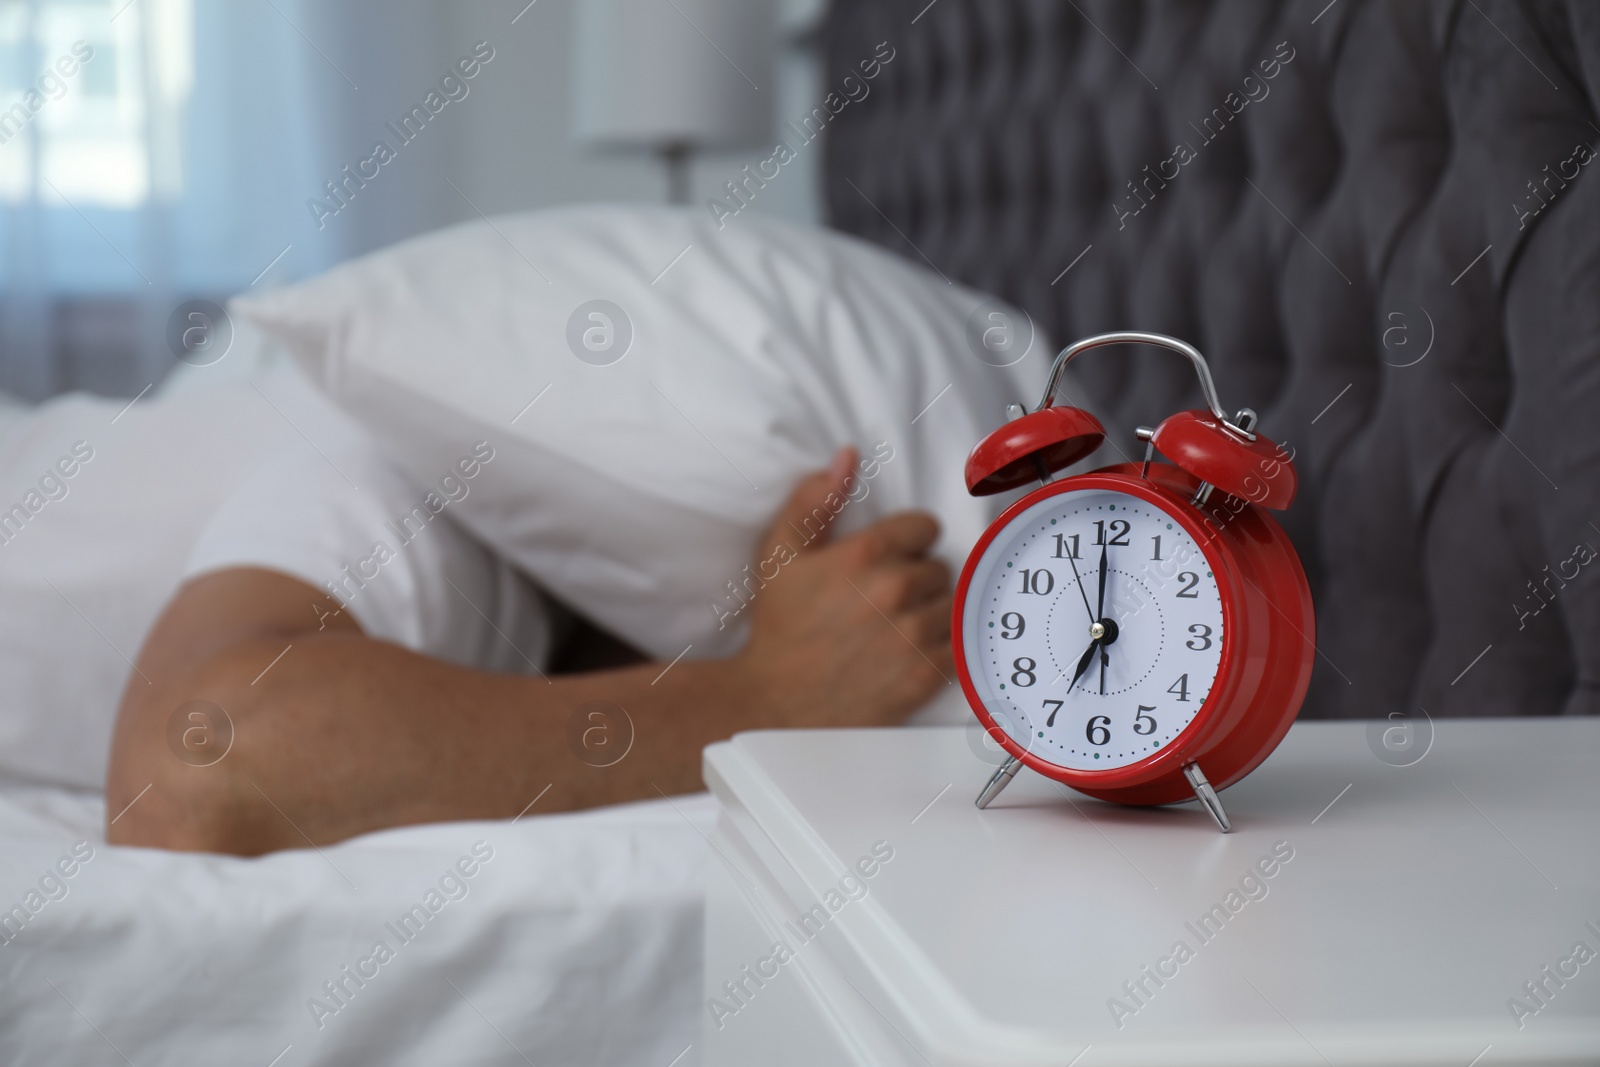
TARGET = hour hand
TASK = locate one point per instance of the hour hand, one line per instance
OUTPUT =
(1083, 663)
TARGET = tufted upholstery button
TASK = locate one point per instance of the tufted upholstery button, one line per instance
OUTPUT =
(1375, 221)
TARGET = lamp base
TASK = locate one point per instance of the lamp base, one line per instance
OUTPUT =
(675, 155)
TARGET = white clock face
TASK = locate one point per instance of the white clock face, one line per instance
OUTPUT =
(1034, 612)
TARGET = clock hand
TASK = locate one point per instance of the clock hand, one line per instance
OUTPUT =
(1083, 664)
(1100, 612)
(1105, 659)
(1081, 590)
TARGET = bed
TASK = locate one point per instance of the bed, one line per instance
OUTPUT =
(575, 940)
(556, 939)
(569, 939)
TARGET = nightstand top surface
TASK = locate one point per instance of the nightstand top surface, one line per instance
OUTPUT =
(1416, 903)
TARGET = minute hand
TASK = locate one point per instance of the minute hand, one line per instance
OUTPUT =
(1105, 658)
(1100, 609)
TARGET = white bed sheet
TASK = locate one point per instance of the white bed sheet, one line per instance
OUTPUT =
(577, 943)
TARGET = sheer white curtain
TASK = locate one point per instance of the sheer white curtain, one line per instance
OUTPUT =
(153, 151)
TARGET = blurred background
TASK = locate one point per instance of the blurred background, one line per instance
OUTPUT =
(181, 159)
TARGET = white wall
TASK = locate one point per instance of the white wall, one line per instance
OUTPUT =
(509, 146)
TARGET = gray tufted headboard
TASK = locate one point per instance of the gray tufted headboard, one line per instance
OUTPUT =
(1390, 249)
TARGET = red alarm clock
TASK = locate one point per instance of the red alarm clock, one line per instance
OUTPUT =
(1144, 632)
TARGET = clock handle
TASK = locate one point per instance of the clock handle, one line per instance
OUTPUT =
(1206, 795)
(1208, 388)
(1002, 778)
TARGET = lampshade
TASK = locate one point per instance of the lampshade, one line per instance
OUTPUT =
(695, 73)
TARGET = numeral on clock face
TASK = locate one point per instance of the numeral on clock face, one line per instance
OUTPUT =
(1039, 583)
(1082, 682)
(1119, 533)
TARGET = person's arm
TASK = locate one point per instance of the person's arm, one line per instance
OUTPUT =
(346, 734)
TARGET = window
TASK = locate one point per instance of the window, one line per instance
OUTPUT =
(93, 95)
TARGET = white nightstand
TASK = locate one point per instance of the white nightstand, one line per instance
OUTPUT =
(1408, 908)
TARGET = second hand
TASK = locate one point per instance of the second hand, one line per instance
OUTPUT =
(1073, 560)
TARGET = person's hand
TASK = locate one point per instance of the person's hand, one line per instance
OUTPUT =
(849, 631)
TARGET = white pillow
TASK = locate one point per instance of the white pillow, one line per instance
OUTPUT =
(98, 510)
(636, 484)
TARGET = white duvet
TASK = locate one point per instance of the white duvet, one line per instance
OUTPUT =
(572, 939)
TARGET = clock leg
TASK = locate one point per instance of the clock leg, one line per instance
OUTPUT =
(1206, 795)
(1002, 778)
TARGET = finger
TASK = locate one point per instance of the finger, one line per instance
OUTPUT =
(905, 534)
(906, 585)
(928, 626)
(806, 517)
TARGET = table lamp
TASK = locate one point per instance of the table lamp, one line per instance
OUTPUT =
(674, 76)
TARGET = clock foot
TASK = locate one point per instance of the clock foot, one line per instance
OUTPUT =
(1206, 795)
(1002, 778)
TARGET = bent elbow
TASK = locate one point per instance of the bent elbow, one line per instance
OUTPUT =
(175, 811)
(176, 778)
